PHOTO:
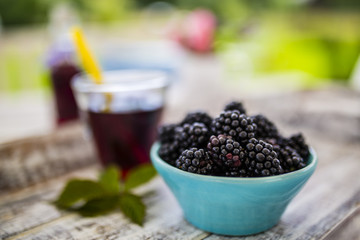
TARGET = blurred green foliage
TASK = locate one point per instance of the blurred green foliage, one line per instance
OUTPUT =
(19, 71)
(321, 57)
(101, 11)
(22, 12)
(319, 37)
(323, 44)
(27, 12)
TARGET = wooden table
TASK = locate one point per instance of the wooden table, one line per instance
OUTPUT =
(33, 171)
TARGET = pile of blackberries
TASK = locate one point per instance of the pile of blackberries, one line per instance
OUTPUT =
(233, 144)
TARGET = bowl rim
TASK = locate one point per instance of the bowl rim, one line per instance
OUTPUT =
(310, 167)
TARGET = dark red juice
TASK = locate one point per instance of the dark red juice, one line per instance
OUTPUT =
(66, 106)
(124, 139)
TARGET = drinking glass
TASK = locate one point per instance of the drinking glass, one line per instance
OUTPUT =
(122, 113)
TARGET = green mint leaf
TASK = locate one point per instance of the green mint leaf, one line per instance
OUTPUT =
(77, 190)
(139, 175)
(109, 179)
(99, 206)
(133, 207)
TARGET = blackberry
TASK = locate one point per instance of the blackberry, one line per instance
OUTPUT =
(235, 106)
(214, 145)
(166, 133)
(170, 151)
(225, 151)
(235, 124)
(201, 117)
(290, 158)
(192, 135)
(262, 159)
(265, 128)
(298, 143)
(237, 172)
(195, 160)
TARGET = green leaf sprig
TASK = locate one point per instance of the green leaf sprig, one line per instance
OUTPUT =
(93, 198)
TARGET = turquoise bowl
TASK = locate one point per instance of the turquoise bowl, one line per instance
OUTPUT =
(230, 205)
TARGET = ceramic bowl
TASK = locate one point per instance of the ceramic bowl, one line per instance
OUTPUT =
(232, 205)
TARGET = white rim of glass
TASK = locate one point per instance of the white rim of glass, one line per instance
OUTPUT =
(121, 81)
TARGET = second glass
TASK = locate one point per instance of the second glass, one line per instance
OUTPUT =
(122, 113)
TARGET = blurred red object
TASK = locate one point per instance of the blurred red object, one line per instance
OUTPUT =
(197, 31)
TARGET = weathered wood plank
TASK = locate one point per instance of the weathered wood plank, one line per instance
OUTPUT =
(164, 218)
(349, 228)
(37, 159)
(30, 207)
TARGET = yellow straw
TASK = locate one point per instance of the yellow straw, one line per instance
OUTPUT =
(88, 61)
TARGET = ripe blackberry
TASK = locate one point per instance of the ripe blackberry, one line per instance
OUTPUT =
(265, 128)
(290, 158)
(225, 151)
(262, 159)
(166, 133)
(195, 160)
(170, 151)
(298, 143)
(235, 106)
(237, 172)
(201, 117)
(235, 124)
(214, 145)
(192, 135)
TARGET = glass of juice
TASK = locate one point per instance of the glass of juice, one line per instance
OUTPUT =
(122, 113)
(66, 107)
(62, 66)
